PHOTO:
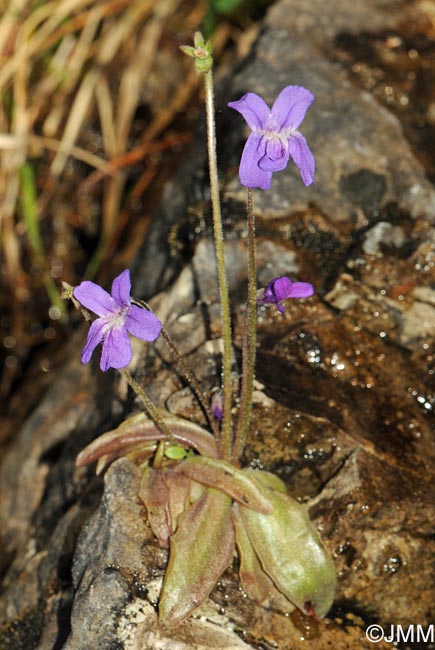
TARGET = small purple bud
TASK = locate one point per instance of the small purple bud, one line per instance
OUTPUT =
(217, 404)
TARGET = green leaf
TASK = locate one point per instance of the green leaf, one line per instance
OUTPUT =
(255, 582)
(200, 551)
(267, 479)
(138, 454)
(223, 476)
(290, 550)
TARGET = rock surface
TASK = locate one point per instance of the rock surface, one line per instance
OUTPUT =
(343, 407)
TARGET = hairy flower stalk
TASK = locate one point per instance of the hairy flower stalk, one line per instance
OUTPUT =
(193, 383)
(249, 338)
(202, 55)
(220, 262)
(148, 404)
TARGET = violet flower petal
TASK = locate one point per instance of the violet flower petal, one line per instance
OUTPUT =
(253, 108)
(302, 157)
(117, 317)
(281, 287)
(278, 289)
(250, 173)
(121, 287)
(290, 106)
(94, 298)
(95, 336)
(276, 156)
(117, 351)
(301, 290)
(274, 136)
(142, 323)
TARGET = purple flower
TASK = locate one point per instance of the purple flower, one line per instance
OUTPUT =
(283, 288)
(117, 317)
(274, 138)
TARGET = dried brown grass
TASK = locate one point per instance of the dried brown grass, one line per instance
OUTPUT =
(73, 74)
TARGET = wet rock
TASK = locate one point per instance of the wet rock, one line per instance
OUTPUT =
(343, 408)
(365, 190)
(389, 508)
(385, 234)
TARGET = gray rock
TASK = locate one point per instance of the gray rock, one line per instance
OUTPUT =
(363, 162)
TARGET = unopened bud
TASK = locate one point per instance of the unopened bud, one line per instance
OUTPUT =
(201, 52)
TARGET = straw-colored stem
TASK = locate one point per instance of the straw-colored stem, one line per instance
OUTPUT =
(149, 406)
(226, 442)
(249, 336)
(159, 456)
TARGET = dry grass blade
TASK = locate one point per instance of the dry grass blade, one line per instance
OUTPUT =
(108, 46)
(88, 89)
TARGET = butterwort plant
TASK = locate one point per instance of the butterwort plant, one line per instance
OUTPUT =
(201, 503)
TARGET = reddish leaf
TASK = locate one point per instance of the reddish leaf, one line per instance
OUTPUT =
(138, 454)
(154, 494)
(226, 477)
(179, 495)
(140, 429)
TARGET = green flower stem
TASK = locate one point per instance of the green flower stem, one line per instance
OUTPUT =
(149, 406)
(249, 335)
(226, 441)
(187, 374)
